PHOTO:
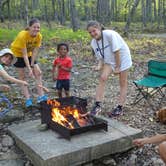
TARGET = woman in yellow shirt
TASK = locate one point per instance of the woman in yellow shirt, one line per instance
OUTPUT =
(25, 47)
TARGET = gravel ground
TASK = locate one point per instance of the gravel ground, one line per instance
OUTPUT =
(83, 84)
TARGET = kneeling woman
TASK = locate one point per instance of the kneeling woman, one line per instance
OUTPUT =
(6, 59)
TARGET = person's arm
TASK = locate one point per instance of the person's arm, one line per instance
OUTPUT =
(68, 66)
(34, 54)
(117, 61)
(4, 87)
(25, 56)
(54, 72)
(6, 76)
(150, 140)
(65, 68)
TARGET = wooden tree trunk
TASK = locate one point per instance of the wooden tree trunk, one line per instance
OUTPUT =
(143, 13)
(26, 12)
(159, 13)
(46, 14)
(8, 9)
(164, 14)
(55, 15)
(149, 10)
(61, 5)
(130, 15)
(2, 3)
(74, 18)
(1, 12)
(155, 11)
(103, 11)
(87, 11)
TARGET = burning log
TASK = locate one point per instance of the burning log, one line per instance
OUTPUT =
(72, 120)
(68, 116)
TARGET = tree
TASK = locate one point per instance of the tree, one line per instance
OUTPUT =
(103, 11)
(2, 3)
(130, 15)
(74, 18)
(61, 5)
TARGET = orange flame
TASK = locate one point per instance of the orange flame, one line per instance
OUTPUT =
(59, 114)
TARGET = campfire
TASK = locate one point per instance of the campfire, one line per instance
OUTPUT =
(68, 116)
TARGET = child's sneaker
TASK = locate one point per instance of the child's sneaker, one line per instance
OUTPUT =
(116, 112)
(96, 110)
(41, 98)
(28, 102)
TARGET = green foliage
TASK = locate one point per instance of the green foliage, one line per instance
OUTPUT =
(64, 34)
(7, 35)
(54, 35)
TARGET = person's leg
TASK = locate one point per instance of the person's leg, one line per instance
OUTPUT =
(162, 151)
(67, 93)
(59, 88)
(59, 93)
(102, 82)
(38, 77)
(66, 87)
(25, 91)
(123, 87)
(100, 88)
(123, 92)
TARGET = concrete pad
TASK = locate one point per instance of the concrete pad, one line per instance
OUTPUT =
(49, 149)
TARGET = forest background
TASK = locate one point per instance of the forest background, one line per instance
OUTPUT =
(142, 23)
(72, 15)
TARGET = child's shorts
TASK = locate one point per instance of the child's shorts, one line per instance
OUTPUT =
(20, 62)
(63, 84)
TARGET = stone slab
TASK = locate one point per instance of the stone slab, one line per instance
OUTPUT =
(49, 149)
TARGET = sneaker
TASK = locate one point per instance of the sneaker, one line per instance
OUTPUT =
(41, 98)
(96, 110)
(28, 102)
(116, 112)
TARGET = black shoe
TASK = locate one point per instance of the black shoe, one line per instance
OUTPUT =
(96, 110)
(116, 112)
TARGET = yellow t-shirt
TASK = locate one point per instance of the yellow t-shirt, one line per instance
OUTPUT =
(24, 40)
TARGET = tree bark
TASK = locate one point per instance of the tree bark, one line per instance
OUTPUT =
(103, 11)
(46, 14)
(143, 13)
(74, 17)
(130, 15)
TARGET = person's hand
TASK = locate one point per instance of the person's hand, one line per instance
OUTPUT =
(140, 142)
(54, 78)
(44, 88)
(31, 74)
(59, 65)
(117, 70)
(96, 68)
(25, 83)
(4, 88)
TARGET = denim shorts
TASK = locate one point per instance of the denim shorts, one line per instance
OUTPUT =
(63, 84)
(20, 62)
